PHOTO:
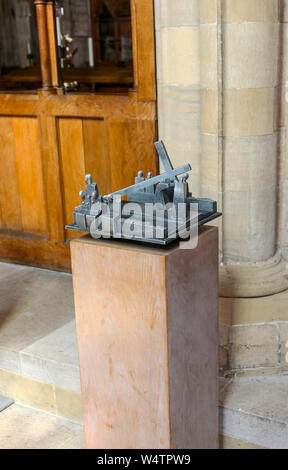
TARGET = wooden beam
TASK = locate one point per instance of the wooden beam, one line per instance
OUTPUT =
(143, 41)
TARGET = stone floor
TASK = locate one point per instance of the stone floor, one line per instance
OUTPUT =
(38, 348)
(37, 330)
(255, 409)
(39, 369)
(26, 428)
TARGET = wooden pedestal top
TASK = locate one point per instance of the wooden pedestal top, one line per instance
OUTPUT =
(141, 247)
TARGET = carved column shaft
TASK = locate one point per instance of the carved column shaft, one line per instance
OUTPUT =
(53, 48)
(43, 44)
(235, 156)
(47, 45)
(240, 140)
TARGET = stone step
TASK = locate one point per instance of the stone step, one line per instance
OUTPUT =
(39, 363)
(25, 428)
(38, 347)
(255, 410)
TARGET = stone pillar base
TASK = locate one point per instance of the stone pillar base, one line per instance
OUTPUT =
(254, 279)
(254, 335)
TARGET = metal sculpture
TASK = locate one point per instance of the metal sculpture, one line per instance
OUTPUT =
(158, 209)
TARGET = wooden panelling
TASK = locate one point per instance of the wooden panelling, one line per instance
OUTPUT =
(85, 106)
(70, 134)
(30, 176)
(10, 210)
(34, 251)
(135, 153)
(97, 153)
(52, 177)
(113, 152)
(48, 142)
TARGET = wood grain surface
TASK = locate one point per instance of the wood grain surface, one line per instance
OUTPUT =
(147, 331)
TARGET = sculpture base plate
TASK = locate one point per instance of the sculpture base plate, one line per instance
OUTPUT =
(168, 238)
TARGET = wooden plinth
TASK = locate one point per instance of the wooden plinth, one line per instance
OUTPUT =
(147, 334)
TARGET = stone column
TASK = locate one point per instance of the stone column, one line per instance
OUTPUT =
(178, 77)
(241, 160)
(211, 165)
(252, 264)
(283, 122)
(240, 140)
(253, 172)
(218, 64)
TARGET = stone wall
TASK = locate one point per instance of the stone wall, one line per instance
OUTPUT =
(222, 83)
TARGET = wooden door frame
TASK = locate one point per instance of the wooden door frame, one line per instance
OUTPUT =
(137, 109)
(144, 57)
(143, 46)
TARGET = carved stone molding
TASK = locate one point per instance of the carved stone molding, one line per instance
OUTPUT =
(253, 279)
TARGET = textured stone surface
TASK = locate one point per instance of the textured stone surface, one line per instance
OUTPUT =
(22, 389)
(209, 160)
(33, 303)
(180, 65)
(10, 360)
(38, 346)
(283, 331)
(249, 54)
(227, 442)
(246, 161)
(209, 111)
(68, 404)
(41, 395)
(283, 11)
(240, 81)
(256, 410)
(25, 428)
(54, 358)
(253, 346)
(179, 13)
(7, 269)
(181, 128)
(249, 111)
(272, 308)
(223, 347)
(178, 77)
(250, 10)
(243, 236)
(208, 11)
(209, 56)
(38, 337)
(284, 34)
